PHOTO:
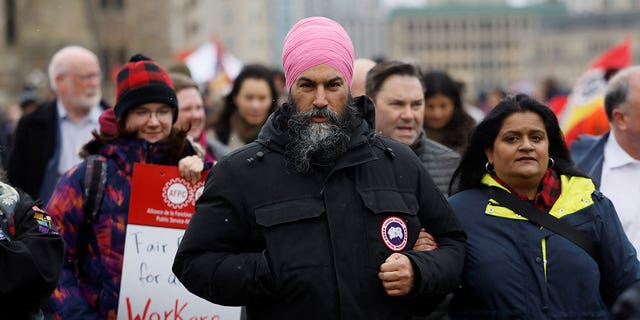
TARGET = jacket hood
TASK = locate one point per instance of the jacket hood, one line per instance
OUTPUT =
(274, 135)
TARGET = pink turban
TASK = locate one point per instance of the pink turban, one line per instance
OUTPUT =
(314, 41)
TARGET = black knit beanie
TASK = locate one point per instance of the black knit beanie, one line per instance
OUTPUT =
(141, 81)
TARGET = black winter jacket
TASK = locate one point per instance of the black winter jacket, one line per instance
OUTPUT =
(31, 255)
(294, 246)
(34, 145)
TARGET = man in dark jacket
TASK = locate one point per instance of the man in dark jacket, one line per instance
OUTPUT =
(31, 255)
(47, 140)
(317, 218)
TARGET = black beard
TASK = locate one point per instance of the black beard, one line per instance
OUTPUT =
(317, 144)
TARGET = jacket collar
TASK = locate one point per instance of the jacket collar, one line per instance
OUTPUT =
(575, 196)
(418, 146)
(588, 154)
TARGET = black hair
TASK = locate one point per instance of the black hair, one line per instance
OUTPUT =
(222, 126)
(472, 165)
(455, 134)
(380, 72)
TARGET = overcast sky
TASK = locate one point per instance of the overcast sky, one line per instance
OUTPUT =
(393, 3)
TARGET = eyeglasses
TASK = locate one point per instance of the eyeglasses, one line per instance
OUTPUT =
(161, 114)
(87, 76)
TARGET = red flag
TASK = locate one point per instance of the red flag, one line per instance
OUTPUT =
(557, 103)
(617, 57)
(584, 111)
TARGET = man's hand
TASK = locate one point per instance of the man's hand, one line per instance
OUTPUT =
(396, 274)
(425, 242)
(191, 168)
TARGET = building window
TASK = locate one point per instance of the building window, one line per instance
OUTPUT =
(112, 4)
(192, 28)
(122, 55)
(105, 58)
(486, 46)
(10, 12)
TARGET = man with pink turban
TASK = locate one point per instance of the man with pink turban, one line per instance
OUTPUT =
(317, 218)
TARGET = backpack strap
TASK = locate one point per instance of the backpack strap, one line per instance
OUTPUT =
(94, 184)
(95, 179)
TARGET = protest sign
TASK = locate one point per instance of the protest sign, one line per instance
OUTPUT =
(160, 208)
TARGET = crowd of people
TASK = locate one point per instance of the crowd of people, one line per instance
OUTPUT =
(338, 188)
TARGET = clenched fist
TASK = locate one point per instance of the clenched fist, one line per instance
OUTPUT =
(396, 274)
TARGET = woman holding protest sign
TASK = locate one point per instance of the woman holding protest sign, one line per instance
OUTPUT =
(91, 201)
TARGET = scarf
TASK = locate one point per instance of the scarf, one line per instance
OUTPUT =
(548, 190)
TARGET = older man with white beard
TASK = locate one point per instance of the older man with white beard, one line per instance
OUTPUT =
(47, 140)
(317, 218)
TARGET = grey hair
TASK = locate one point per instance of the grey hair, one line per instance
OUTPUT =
(60, 61)
(617, 91)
